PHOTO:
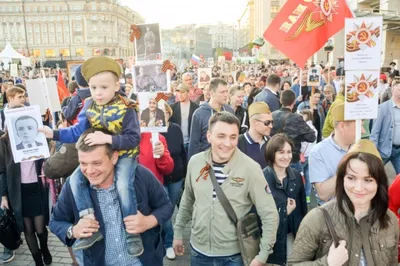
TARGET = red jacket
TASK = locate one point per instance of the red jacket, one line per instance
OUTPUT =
(394, 196)
(160, 166)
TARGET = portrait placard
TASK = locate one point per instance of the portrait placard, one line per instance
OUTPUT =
(152, 112)
(314, 77)
(27, 143)
(149, 77)
(45, 99)
(204, 76)
(148, 46)
(72, 66)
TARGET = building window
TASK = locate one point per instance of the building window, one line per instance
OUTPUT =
(52, 39)
(64, 51)
(78, 27)
(58, 8)
(79, 51)
(44, 40)
(36, 53)
(78, 39)
(50, 9)
(27, 9)
(94, 28)
(37, 29)
(94, 6)
(43, 8)
(51, 27)
(50, 53)
(37, 40)
(35, 9)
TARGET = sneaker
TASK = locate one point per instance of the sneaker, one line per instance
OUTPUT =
(135, 244)
(170, 254)
(308, 199)
(85, 243)
(8, 255)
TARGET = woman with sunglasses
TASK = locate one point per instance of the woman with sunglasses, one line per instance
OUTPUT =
(364, 231)
(287, 188)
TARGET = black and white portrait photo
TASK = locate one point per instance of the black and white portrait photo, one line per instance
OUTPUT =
(314, 77)
(150, 78)
(226, 68)
(27, 143)
(148, 46)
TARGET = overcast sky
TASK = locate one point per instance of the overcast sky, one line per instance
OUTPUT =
(171, 13)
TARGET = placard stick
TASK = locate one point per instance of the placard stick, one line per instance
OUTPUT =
(358, 129)
(46, 95)
(155, 138)
(312, 90)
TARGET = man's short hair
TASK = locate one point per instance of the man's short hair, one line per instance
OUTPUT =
(215, 82)
(186, 75)
(288, 97)
(224, 117)
(25, 117)
(233, 89)
(21, 86)
(273, 80)
(83, 147)
(11, 93)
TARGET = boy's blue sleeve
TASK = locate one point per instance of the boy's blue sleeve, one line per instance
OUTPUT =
(72, 134)
(129, 138)
(71, 110)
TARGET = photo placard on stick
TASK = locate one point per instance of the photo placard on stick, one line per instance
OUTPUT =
(226, 68)
(152, 112)
(363, 43)
(149, 77)
(362, 94)
(148, 46)
(27, 143)
(314, 76)
(204, 76)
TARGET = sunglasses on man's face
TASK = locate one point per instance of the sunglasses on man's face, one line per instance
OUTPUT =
(266, 123)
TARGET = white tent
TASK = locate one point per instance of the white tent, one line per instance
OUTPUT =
(9, 53)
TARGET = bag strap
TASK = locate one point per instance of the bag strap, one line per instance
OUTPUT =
(331, 229)
(222, 198)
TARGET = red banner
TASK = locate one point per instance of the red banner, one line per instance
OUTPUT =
(62, 89)
(302, 27)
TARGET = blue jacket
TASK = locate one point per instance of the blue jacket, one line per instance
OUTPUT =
(382, 129)
(321, 112)
(152, 200)
(268, 97)
(119, 117)
(71, 111)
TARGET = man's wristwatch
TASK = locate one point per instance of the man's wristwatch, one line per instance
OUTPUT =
(69, 232)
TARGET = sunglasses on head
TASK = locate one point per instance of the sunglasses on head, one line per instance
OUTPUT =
(266, 123)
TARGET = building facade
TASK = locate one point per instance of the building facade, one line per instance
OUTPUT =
(224, 36)
(69, 29)
(245, 28)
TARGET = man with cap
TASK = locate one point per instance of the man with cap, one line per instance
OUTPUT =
(386, 129)
(182, 112)
(75, 104)
(109, 112)
(393, 70)
(253, 142)
(326, 155)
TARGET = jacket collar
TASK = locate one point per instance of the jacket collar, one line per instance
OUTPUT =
(374, 227)
(230, 165)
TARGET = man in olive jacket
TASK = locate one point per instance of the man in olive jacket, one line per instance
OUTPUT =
(213, 236)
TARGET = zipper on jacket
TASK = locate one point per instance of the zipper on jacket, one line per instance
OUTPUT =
(209, 231)
(372, 250)
(101, 117)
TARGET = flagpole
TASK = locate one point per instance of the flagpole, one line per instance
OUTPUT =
(46, 95)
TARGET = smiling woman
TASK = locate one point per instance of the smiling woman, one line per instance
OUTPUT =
(366, 230)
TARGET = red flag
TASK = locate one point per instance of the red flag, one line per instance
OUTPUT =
(302, 27)
(61, 88)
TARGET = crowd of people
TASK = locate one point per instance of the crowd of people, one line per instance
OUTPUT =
(260, 135)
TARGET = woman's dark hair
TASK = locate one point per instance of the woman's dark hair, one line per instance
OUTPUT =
(379, 204)
(275, 144)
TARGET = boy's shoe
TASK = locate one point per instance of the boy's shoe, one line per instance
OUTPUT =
(170, 254)
(85, 243)
(135, 245)
(8, 255)
(308, 199)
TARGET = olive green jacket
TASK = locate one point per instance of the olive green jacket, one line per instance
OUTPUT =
(312, 243)
(212, 232)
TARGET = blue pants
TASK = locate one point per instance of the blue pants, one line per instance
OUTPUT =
(173, 191)
(395, 159)
(306, 172)
(123, 178)
(198, 259)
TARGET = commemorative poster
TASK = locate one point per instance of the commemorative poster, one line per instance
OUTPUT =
(204, 76)
(148, 46)
(363, 43)
(44, 93)
(27, 143)
(149, 77)
(152, 112)
(362, 94)
(314, 77)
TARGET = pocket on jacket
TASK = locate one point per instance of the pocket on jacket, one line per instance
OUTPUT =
(387, 243)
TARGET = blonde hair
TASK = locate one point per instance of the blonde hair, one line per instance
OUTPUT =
(168, 109)
(328, 87)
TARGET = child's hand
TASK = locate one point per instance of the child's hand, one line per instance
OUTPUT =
(48, 132)
(98, 138)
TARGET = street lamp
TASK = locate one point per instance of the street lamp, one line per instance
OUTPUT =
(26, 34)
(69, 29)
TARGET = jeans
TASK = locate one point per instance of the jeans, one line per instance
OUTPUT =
(123, 178)
(306, 172)
(198, 259)
(395, 159)
(173, 191)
